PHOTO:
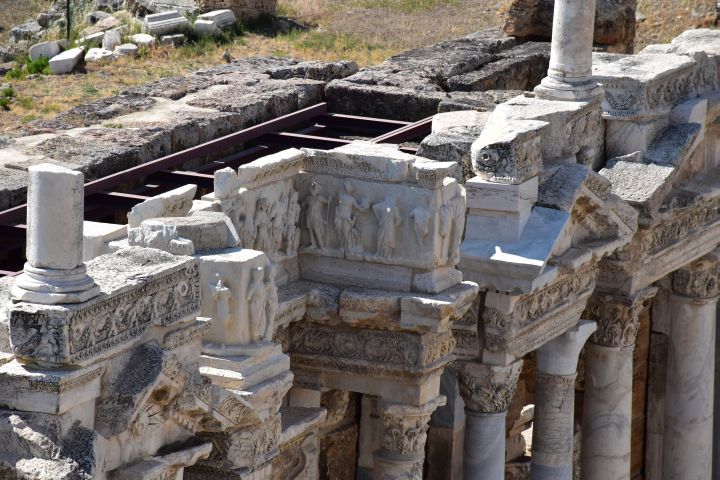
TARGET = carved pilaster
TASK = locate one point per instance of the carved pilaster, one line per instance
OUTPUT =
(699, 279)
(487, 388)
(617, 317)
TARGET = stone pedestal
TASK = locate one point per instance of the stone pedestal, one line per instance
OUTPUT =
(54, 272)
(488, 392)
(569, 75)
(552, 446)
(688, 439)
(607, 411)
(404, 435)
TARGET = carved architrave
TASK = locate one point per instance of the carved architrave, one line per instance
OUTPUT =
(79, 334)
(699, 279)
(538, 316)
(487, 388)
(390, 349)
(617, 317)
(246, 447)
(405, 427)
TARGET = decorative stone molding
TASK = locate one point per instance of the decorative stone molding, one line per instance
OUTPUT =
(391, 349)
(617, 317)
(405, 426)
(540, 316)
(699, 279)
(80, 334)
(487, 388)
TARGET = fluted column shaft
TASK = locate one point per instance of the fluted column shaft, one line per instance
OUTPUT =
(487, 391)
(607, 410)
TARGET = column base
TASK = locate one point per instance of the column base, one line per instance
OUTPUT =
(553, 89)
(50, 286)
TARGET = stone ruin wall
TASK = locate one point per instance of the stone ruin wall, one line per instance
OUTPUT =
(243, 9)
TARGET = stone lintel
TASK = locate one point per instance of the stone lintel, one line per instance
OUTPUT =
(47, 391)
(514, 326)
(487, 388)
(617, 317)
(272, 168)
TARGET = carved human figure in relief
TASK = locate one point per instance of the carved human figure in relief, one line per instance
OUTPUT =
(347, 232)
(271, 304)
(257, 299)
(221, 295)
(277, 218)
(457, 210)
(292, 232)
(421, 222)
(388, 217)
(452, 225)
(263, 224)
(315, 218)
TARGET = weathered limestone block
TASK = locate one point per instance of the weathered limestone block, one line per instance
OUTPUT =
(508, 153)
(44, 49)
(175, 203)
(243, 9)
(155, 234)
(139, 288)
(98, 55)
(206, 231)
(646, 86)
(519, 68)
(239, 292)
(66, 61)
(299, 443)
(575, 128)
(644, 186)
(219, 18)
(614, 22)
(361, 199)
(167, 22)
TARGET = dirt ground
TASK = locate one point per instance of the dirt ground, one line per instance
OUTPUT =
(366, 31)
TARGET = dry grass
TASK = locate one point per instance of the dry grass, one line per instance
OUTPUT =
(366, 31)
(666, 19)
(15, 12)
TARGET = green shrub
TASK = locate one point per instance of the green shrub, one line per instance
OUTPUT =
(7, 92)
(5, 103)
(17, 73)
(41, 65)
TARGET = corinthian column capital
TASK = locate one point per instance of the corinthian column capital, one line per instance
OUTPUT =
(617, 317)
(487, 388)
(698, 279)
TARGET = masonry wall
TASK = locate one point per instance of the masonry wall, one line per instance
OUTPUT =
(243, 9)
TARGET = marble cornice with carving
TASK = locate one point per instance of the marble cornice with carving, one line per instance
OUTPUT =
(688, 230)
(699, 279)
(539, 316)
(617, 317)
(487, 388)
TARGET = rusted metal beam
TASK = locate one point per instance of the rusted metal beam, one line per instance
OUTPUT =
(407, 133)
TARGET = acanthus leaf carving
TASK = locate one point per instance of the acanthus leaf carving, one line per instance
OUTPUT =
(487, 388)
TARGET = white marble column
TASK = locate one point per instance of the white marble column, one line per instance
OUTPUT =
(54, 271)
(487, 391)
(570, 74)
(552, 447)
(688, 437)
(607, 410)
(404, 431)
